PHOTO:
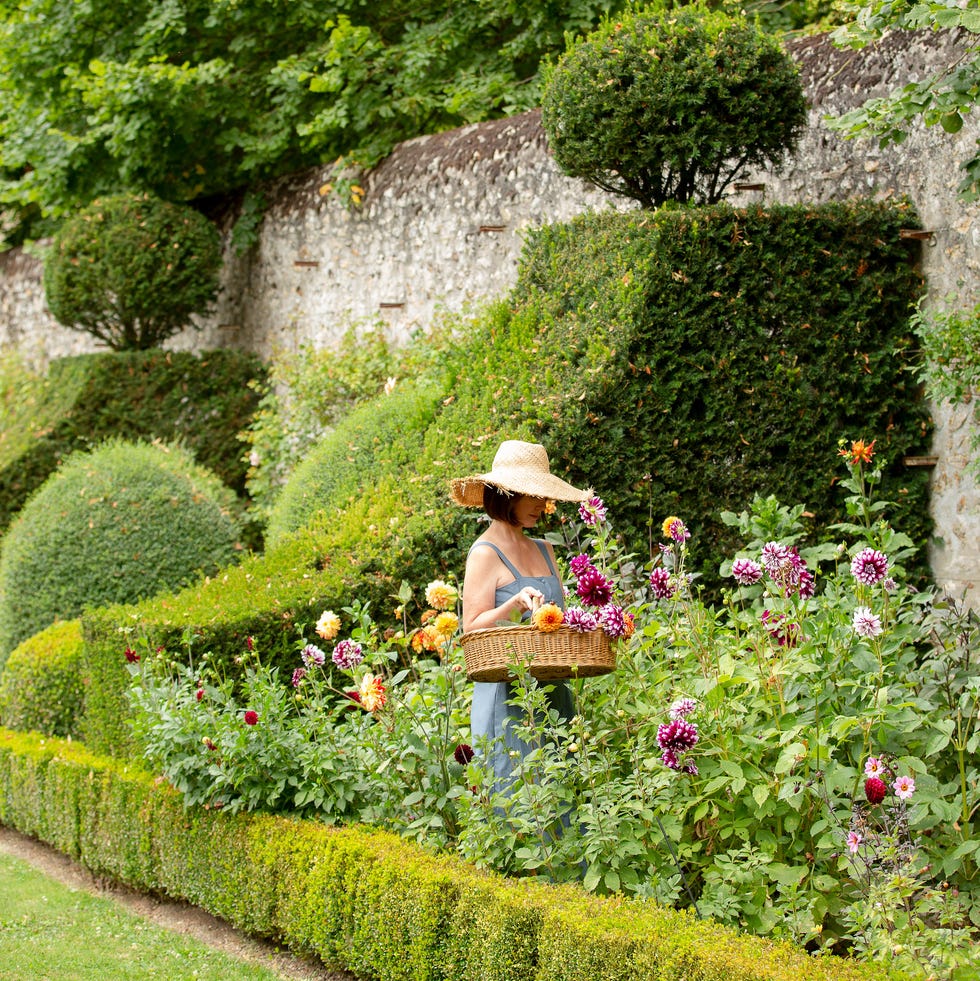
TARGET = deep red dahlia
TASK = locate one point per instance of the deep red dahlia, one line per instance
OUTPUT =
(875, 790)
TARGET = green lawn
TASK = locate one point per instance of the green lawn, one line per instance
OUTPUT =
(49, 932)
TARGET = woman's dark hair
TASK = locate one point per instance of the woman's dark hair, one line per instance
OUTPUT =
(498, 505)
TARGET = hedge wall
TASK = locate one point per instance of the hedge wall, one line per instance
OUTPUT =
(202, 400)
(679, 362)
(366, 900)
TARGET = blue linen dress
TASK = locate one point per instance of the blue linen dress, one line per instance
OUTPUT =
(491, 717)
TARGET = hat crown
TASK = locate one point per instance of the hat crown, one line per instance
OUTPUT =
(514, 453)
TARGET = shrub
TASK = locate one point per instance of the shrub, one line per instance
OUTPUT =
(383, 439)
(201, 400)
(307, 393)
(132, 270)
(41, 683)
(115, 525)
(672, 104)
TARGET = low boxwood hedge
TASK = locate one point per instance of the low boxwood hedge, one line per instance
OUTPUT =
(367, 900)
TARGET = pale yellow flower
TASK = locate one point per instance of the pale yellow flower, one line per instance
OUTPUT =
(328, 626)
(548, 617)
(372, 692)
(440, 595)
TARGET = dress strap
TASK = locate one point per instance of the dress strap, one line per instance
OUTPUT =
(503, 558)
(547, 555)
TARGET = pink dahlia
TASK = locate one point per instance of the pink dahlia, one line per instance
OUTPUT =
(312, 656)
(592, 512)
(869, 566)
(660, 584)
(677, 735)
(581, 621)
(593, 588)
(579, 564)
(347, 655)
(746, 572)
(612, 620)
(682, 708)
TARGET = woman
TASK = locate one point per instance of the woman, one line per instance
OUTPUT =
(508, 571)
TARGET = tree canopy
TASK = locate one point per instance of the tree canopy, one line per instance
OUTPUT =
(944, 97)
(191, 98)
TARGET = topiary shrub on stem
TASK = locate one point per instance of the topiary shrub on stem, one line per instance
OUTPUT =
(116, 525)
(132, 270)
(663, 104)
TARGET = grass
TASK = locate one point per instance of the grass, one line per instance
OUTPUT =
(49, 932)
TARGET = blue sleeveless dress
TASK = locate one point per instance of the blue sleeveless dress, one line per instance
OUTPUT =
(491, 717)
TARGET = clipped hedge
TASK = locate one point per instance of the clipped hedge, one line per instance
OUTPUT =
(41, 684)
(366, 900)
(203, 400)
(680, 362)
(126, 521)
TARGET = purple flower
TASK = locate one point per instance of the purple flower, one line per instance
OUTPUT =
(612, 620)
(691, 768)
(579, 564)
(682, 708)
(787, 570)
(774, 556)
(592, 512)
(347, 655)
(782, 630)
(669, 758)
(463, 753)
(660, 584)
(746, 572)
(312, 656)
(677, 735)
(594, 589)
(869, 566)
(866, 623)
(298, 675)
(579, 620)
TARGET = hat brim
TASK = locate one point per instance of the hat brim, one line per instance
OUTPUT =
(468, 491)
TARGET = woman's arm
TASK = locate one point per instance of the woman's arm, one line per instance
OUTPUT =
(479, 592)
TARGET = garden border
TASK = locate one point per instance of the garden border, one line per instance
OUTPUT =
(364, 899)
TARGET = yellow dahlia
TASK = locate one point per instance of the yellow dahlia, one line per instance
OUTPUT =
(445, 624)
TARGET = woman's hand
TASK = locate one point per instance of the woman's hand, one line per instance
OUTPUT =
(529, 598)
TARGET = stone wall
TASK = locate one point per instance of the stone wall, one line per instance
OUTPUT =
(443, 217)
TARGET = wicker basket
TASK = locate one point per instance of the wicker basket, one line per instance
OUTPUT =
(562, 653)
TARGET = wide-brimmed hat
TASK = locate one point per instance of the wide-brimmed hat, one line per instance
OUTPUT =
(518, 468)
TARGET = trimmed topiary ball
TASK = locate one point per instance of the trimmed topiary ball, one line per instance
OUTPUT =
(41, 684)
(672, 104)
(121, 523)
(132, 270)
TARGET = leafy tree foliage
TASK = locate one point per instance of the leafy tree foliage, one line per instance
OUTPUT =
(668, 104)
(132, 270)
(944, 97)
(190, 98)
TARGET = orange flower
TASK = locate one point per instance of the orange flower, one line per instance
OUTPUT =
(860, 452)
(426, 639)
(547, 618)
(629, 625)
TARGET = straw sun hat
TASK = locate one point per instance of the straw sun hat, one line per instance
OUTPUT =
(518, 468)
